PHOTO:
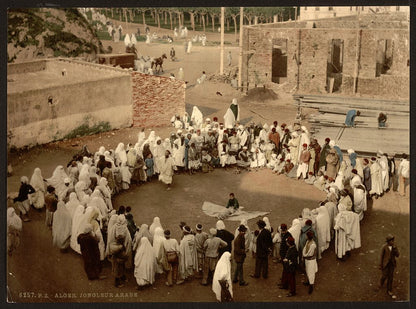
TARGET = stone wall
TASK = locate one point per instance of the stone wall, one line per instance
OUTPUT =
(308, 51)
(156, 99)
(46, 114)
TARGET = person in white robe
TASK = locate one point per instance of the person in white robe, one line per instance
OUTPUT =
(264, 133)
(196, 118)
(202, 78)
(76, 221)
(258, 159)
(120, 155)
(141, 137)
(72, 204)
(294, 148)
(125, 176)
(309, 255)
(232, 115)
(188, 260)
(268, 226)
(143, 231)
(133, 39)
(155, 224)
(144, 263)
(167, 169)
(382, 159)
(14, 228)
(81, 191)
(360, 195)
(222, 273)
(339, 180)
(179, 150)
(376, 183)
(84, 176)
(61, 227)
(181, 74)
(58, 180)
(127, 41)
(347, 232)
(295, 230)
(97, 201)
(148, 38)
(189, 47)
(323, 231)
(92, 216)
(105, 191)
(37, 199)
(158, 239)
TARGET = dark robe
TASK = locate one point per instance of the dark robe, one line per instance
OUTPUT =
(90, 255)
(367, 178)
(228, 238)
(303, 237)
(234, 109)
(322, 156)
(283, 244)
(264, 244)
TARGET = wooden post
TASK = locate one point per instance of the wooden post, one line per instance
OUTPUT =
(240, 55)
(222, 42)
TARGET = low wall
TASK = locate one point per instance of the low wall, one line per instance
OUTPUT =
(43, 115)
(156, 99)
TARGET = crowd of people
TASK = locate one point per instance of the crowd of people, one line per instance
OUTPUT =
(80, 214)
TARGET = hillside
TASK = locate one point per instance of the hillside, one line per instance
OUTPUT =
(48, 32)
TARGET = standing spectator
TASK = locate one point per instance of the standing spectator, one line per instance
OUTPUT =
(212, 247)
(263, 248)
(14, 227)
(290, 263)
(229, 58)
(22, 199)
(240, 255)
(188, 261)
(225, 235)
(51, 201)
(221, 283)
(389, 252)
(167, 169)
(118, 259)
(200, 238)
(171, 247)
(403, 174)
(149, 166)
(285, 234)
(309, 255)
(90, 253)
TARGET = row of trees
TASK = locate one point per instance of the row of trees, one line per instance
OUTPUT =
(204, 16)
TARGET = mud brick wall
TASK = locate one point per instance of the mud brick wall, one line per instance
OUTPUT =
(308, 51)
(156, 99)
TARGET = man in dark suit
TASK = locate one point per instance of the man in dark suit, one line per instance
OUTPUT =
(264, 246)
(389, 252)
(240, 255)
(290, 263)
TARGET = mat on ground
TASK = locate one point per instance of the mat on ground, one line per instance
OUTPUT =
(223, 213)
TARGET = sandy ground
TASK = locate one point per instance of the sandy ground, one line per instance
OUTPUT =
(38, 272)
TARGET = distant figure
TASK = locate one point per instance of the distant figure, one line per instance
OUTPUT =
(147, 39)
(229, 58)
(147, 29)
(350, 119)
(180, 74)
(186, 46)
(172, 76)
(202, 78)
(382, 119)
(172, 54)
(138, 32)
(175, 32)
(188, 50)
(232, 115)
(120, 31)
(204, 39)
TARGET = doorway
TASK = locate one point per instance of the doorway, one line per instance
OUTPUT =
(334, 65)
(279, 61)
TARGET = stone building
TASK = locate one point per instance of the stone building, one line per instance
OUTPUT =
(366, 55)
(52, 99)
(316, 12)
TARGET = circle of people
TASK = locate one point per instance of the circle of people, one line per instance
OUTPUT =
(80, 214)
